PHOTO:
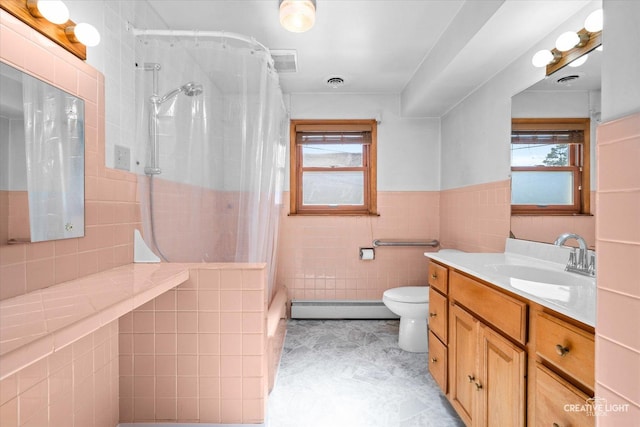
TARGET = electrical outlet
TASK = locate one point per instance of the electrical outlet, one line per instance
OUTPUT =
(122, 158)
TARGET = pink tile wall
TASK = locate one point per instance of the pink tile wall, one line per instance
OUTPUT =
(618, 242)
(546, 228)
(198, 353)
(476, 218)
(183, 232)
(112, 211)
(76, 386)
(318, 256)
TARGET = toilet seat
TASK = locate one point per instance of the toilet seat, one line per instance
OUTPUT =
(408, 294)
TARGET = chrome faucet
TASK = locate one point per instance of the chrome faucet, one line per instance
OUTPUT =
(583, 262)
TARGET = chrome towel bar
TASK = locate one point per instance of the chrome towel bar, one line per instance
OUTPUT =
(377, 242)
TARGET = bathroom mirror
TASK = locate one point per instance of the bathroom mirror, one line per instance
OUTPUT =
(571, 92)
(41, 160)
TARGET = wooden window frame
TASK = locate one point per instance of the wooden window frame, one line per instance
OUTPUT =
(369, 166)
(580, 161)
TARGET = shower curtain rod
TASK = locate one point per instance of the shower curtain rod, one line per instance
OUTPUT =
(196, 33)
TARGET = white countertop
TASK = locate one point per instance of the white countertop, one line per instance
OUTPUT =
(577, 300)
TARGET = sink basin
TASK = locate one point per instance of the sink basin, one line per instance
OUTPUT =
(554, 285)
(534, 275)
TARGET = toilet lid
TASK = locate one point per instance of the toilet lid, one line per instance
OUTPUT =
(415, 294)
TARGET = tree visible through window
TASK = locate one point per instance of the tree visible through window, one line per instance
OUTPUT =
(550, 166)
(333, 167)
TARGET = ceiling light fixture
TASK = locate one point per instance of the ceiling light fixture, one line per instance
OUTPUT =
(571, 45)
(297, 16)
(54, 11)
(83, 33)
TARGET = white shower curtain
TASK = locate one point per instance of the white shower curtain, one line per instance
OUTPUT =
(221, 152)
(54, 142)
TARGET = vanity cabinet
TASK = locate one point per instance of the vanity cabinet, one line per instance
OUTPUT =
(504, 360)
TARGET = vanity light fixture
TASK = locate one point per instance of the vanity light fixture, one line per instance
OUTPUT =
(594, 21)
(571, 47)
(578, 62)
(83, 33)
(54, 11)
(297, 16)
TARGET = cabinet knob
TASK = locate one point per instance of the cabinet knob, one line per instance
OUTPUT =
(561, 350)
(471, 378)
(434, 359)
(556, 425)
(478, 386)
(434, 276)
(433, 314)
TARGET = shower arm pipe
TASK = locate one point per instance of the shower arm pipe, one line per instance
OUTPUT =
(196, 34)
(377, 243)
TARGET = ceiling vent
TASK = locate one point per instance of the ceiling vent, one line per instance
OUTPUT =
(567, 80)
(335, 82)
(285, 61)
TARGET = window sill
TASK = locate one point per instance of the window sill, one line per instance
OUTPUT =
(550, 214)
(333, 214)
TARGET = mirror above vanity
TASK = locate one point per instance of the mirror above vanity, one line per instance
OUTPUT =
(41, 160)
(571, 93)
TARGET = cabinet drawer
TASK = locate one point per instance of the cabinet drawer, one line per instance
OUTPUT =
(438, 277)
(438, 314)
(507, 314)
(559, 403)
(567, 347)
(438, 361)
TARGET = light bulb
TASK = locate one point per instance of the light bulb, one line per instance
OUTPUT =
(578, 62)
(594, 21)
(84, 33)
(567, 41)
(542, 58)
(297, 16)
(54, 11)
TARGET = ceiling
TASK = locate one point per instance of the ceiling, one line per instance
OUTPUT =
(433, 53)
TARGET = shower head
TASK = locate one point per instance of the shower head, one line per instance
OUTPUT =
(189, 89)
(192, 89)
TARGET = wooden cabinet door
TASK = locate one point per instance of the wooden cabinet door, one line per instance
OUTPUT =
(463, 344)
(501, 383)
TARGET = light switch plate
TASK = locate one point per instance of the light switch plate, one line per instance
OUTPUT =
(122, 158)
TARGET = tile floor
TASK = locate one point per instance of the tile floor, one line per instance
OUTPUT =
(351, 373)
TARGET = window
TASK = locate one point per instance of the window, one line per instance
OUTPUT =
(333, 167)
(550, 166)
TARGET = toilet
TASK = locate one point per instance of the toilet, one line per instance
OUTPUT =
(411, 303)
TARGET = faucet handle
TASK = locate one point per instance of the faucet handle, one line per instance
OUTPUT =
(592, 264)
(572, 258)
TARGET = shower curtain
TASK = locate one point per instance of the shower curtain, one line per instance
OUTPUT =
(221, 152)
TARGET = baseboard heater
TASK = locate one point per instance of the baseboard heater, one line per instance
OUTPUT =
(340, 309)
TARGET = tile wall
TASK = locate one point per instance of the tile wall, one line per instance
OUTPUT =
(198, 353)
(476, 218)
(618, 241)
(318, 256)
(74, 387)
(78, 385)
(112, 211)
(182, 231)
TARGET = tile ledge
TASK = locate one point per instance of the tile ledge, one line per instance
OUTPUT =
(96, 300)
